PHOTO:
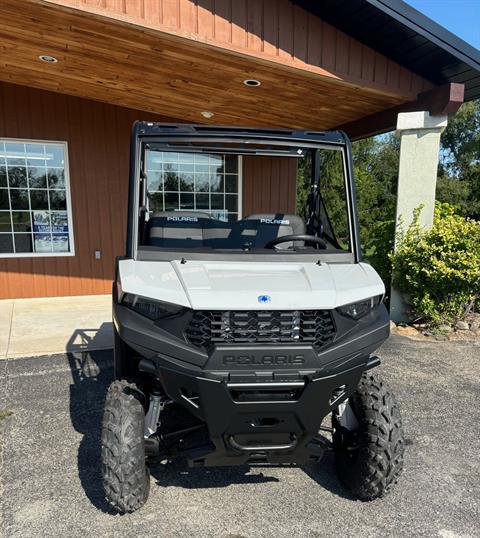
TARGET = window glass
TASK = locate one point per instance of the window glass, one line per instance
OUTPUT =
(325, 212)
(193, 182)
(334, 212)
(34, 212)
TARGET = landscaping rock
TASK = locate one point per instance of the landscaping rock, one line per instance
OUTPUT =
(475, 324)
(462, 325)
(407, 331)
(392, 325)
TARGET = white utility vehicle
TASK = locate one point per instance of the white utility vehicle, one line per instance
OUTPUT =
(245, 340)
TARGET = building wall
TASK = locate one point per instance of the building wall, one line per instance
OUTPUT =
(98, 137)
(269, 185)
(272, 30)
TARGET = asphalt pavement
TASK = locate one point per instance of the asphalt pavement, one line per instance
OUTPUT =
(49, 462)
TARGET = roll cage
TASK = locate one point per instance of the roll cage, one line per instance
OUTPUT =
(274, 142)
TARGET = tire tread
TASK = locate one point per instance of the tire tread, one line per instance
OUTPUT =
(380, 458)
(126, 478)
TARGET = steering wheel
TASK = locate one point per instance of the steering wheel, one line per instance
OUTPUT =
(296, 237)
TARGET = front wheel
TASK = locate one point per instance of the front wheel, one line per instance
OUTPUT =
(369, 445)
(126, 479)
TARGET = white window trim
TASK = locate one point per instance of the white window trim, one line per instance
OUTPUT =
(68, 199)
(239, 193)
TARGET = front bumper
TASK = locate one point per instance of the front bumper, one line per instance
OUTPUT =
(265, 419)
(260, 403)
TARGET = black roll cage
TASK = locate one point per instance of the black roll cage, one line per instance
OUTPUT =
(170, 135)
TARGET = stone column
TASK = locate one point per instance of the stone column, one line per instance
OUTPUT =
(417, 177)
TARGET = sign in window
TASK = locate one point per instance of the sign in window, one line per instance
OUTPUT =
(35, 216)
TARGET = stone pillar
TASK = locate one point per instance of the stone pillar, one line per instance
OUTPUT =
(417, 177)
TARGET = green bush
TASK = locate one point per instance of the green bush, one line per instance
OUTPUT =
(439, 268)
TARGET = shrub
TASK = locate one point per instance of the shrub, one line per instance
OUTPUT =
(439, 268)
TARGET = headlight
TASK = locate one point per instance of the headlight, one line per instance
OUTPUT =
(150, 308)
(361, 308)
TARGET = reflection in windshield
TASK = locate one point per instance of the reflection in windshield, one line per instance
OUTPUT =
(193, 202)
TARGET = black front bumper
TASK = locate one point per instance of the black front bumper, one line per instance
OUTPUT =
(260, 403)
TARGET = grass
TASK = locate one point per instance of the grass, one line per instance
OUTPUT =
(4, 413)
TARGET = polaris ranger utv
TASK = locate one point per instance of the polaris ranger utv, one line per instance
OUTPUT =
(245, 340)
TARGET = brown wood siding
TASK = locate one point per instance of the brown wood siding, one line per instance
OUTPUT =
(112, 61)
(98, 137)
(274, 30)
(269, 185)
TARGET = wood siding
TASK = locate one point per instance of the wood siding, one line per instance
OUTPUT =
(269, 185)
(98, 137)
(116, 62)
(274, 30)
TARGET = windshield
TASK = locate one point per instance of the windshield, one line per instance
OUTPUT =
(258, 200)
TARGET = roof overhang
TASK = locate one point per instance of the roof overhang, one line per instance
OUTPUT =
(394, 28)
(314, 76)
(117, 59)
(441, 101)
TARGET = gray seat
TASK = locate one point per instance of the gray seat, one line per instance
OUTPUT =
(268, 226)
(175, 229)
(186, 229)
(192, 229)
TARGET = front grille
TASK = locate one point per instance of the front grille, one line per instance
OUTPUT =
(313, 327)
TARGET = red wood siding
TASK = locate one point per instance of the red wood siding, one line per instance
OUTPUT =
(273, 30)
(98, 137)
(269, 185)
(98, 147)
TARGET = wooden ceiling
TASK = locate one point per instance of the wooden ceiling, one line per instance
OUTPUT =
(123, 64)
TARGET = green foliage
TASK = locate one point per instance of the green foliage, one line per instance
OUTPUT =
(332, 188)
(461, 141)
(375, 162)
(459, 169)
(303, 185)
(439, 268)
(332, 184)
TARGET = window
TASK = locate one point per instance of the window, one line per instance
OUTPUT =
(334, 197)
(35, 214)
(330, 204)
(194, 182)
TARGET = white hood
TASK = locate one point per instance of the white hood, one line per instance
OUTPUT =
(211, 285)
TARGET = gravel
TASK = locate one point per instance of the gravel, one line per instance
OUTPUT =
(50, 484)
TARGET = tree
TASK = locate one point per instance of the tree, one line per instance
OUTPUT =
(459, 168)
(375, 163)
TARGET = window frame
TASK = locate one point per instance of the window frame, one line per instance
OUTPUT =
(71, 238)
(239, 192)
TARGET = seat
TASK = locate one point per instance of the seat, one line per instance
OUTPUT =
(176, 229)
(264, 227)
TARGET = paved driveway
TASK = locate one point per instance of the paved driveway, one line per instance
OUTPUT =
(51, 485)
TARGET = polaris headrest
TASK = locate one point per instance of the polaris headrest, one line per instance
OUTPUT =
(294, 222)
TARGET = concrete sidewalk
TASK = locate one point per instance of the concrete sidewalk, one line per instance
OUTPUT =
(30, 327)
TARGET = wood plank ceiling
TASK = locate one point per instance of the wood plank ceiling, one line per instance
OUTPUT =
(117, 62)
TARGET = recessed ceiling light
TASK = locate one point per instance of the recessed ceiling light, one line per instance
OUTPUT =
(48, 59)
(252, 82)
(207, 114)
